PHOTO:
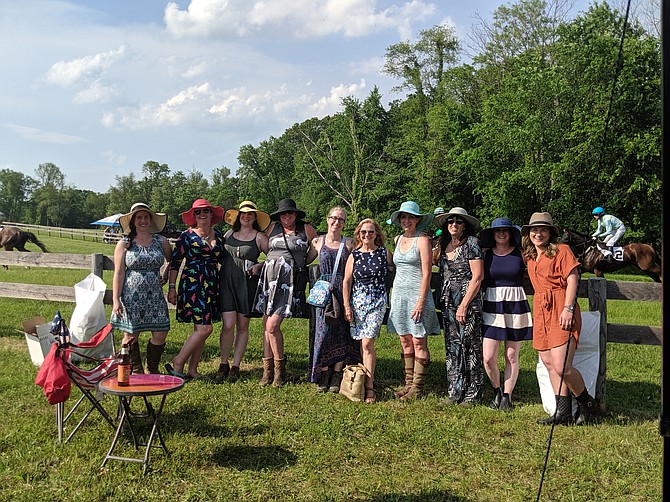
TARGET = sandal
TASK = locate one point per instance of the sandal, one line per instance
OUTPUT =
(171, 371)
(370, 396)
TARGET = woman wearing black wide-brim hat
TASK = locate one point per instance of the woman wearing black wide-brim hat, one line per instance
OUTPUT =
(281, 289)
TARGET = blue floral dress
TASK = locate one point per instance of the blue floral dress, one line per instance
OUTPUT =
(198, 294)
(368, 295)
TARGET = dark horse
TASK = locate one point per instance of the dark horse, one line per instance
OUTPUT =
(14, 238)
(587, 251)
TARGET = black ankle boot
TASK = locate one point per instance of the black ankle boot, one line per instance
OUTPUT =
(324, 378)
(563, 415)
(335, 381)
(497, 396)
(506, 402)
(587, 408)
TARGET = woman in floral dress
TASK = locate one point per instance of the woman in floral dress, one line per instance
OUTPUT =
(364, 293)
(199, 247)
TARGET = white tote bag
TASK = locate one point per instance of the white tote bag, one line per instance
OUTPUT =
(586, 360)
(89, 315)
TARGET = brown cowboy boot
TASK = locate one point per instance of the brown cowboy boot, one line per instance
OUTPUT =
(420, 374)
(280, 372)
(408, 365)
(136, 359)
(154, 353)
(268, 371)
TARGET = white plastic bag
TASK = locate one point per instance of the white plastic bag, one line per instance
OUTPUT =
(586, 360)
(89, 315)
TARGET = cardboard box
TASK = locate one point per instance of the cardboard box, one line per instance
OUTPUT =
(38, 338)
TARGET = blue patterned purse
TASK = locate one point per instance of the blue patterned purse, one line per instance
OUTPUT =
(319, 295)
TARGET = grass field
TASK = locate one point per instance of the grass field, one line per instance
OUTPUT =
(243, 442)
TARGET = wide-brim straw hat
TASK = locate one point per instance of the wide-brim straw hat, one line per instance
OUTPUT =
(158, 220)
(411, 207)
(286, 205)
(246, 206)
(457, 211)
(189, 216)
(540, 220)
(486, 235)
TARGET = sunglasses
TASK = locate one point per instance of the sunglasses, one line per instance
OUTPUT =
(336, 218)
(457, 221)
(364, 232)
(198, 212)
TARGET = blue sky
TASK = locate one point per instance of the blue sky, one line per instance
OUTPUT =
(99, 87)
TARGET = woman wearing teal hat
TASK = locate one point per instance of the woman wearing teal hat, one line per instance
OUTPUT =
(412, 315)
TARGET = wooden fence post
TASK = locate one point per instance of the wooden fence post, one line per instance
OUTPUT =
(597, 293)
(96, 264)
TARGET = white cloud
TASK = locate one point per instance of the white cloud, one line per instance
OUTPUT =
(195, 70)
(114, 158)
(332, 103)
(297, 19)
(95, 93)
(34, 134)
(69, 73)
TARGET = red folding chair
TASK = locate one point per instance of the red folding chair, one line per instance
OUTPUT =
(85, 380)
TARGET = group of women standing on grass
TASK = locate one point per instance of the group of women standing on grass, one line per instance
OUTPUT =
(480, 293)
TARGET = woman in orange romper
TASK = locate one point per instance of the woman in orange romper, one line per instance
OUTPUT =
(554, 273)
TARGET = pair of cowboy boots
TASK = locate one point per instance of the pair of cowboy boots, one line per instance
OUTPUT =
(416, 371)
(274, 372)
(154, 354)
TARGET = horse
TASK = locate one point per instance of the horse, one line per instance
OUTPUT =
(587, 251)
(14, 238)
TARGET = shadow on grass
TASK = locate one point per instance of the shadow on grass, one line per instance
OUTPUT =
(192, 420)
(424, 496)
(254, 458)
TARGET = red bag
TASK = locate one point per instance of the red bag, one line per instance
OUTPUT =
(53, 377)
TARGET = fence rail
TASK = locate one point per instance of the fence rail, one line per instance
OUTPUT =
(73, 233)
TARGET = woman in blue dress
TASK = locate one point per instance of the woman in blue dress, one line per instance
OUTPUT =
(138, 303)
(364, 294)
(412, 316)
(200, 248)
(506, 315)
(333, 346)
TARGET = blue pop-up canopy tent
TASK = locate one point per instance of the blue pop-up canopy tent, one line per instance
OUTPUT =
(109, 221)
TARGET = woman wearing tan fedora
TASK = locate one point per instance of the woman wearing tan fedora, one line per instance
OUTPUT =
(554, 273)
(281, 289)
(462, 272)
(199, 248)
(138, 303)
(244, 243)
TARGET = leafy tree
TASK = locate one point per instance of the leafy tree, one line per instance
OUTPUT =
(15, 191)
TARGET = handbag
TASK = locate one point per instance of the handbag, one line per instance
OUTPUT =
(320, 294)
(353, 382)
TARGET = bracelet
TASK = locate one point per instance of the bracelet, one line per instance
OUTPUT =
(172, 285)
(569, 308)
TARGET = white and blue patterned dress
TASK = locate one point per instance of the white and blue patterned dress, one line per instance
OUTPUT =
(368, 295)
(144, 306)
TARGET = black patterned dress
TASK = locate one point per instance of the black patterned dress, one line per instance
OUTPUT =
(463, 342)
(198, 294)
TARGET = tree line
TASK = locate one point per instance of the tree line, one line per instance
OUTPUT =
(549, 115)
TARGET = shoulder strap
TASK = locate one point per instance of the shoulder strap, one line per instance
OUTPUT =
(337, 260)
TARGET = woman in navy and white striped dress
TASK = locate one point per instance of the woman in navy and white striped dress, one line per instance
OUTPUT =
(506, 315)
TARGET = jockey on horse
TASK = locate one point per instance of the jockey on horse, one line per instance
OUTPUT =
(610, 228)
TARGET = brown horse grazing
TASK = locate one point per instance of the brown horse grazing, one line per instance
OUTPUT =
(587, 251)
(14, 238)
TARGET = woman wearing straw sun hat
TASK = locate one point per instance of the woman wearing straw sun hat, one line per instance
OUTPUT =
(199, 247)
(412, 315)
(244, 243)
(462, 272)
(138, 303)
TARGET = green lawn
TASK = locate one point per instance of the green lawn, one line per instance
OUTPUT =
(243, 442)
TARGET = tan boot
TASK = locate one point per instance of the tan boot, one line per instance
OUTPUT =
(280, 372)
(154, 354)
(268, 371)
(420, 374)
(408, 364)
(136, 359)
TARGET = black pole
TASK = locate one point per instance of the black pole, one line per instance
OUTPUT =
(664, 423)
